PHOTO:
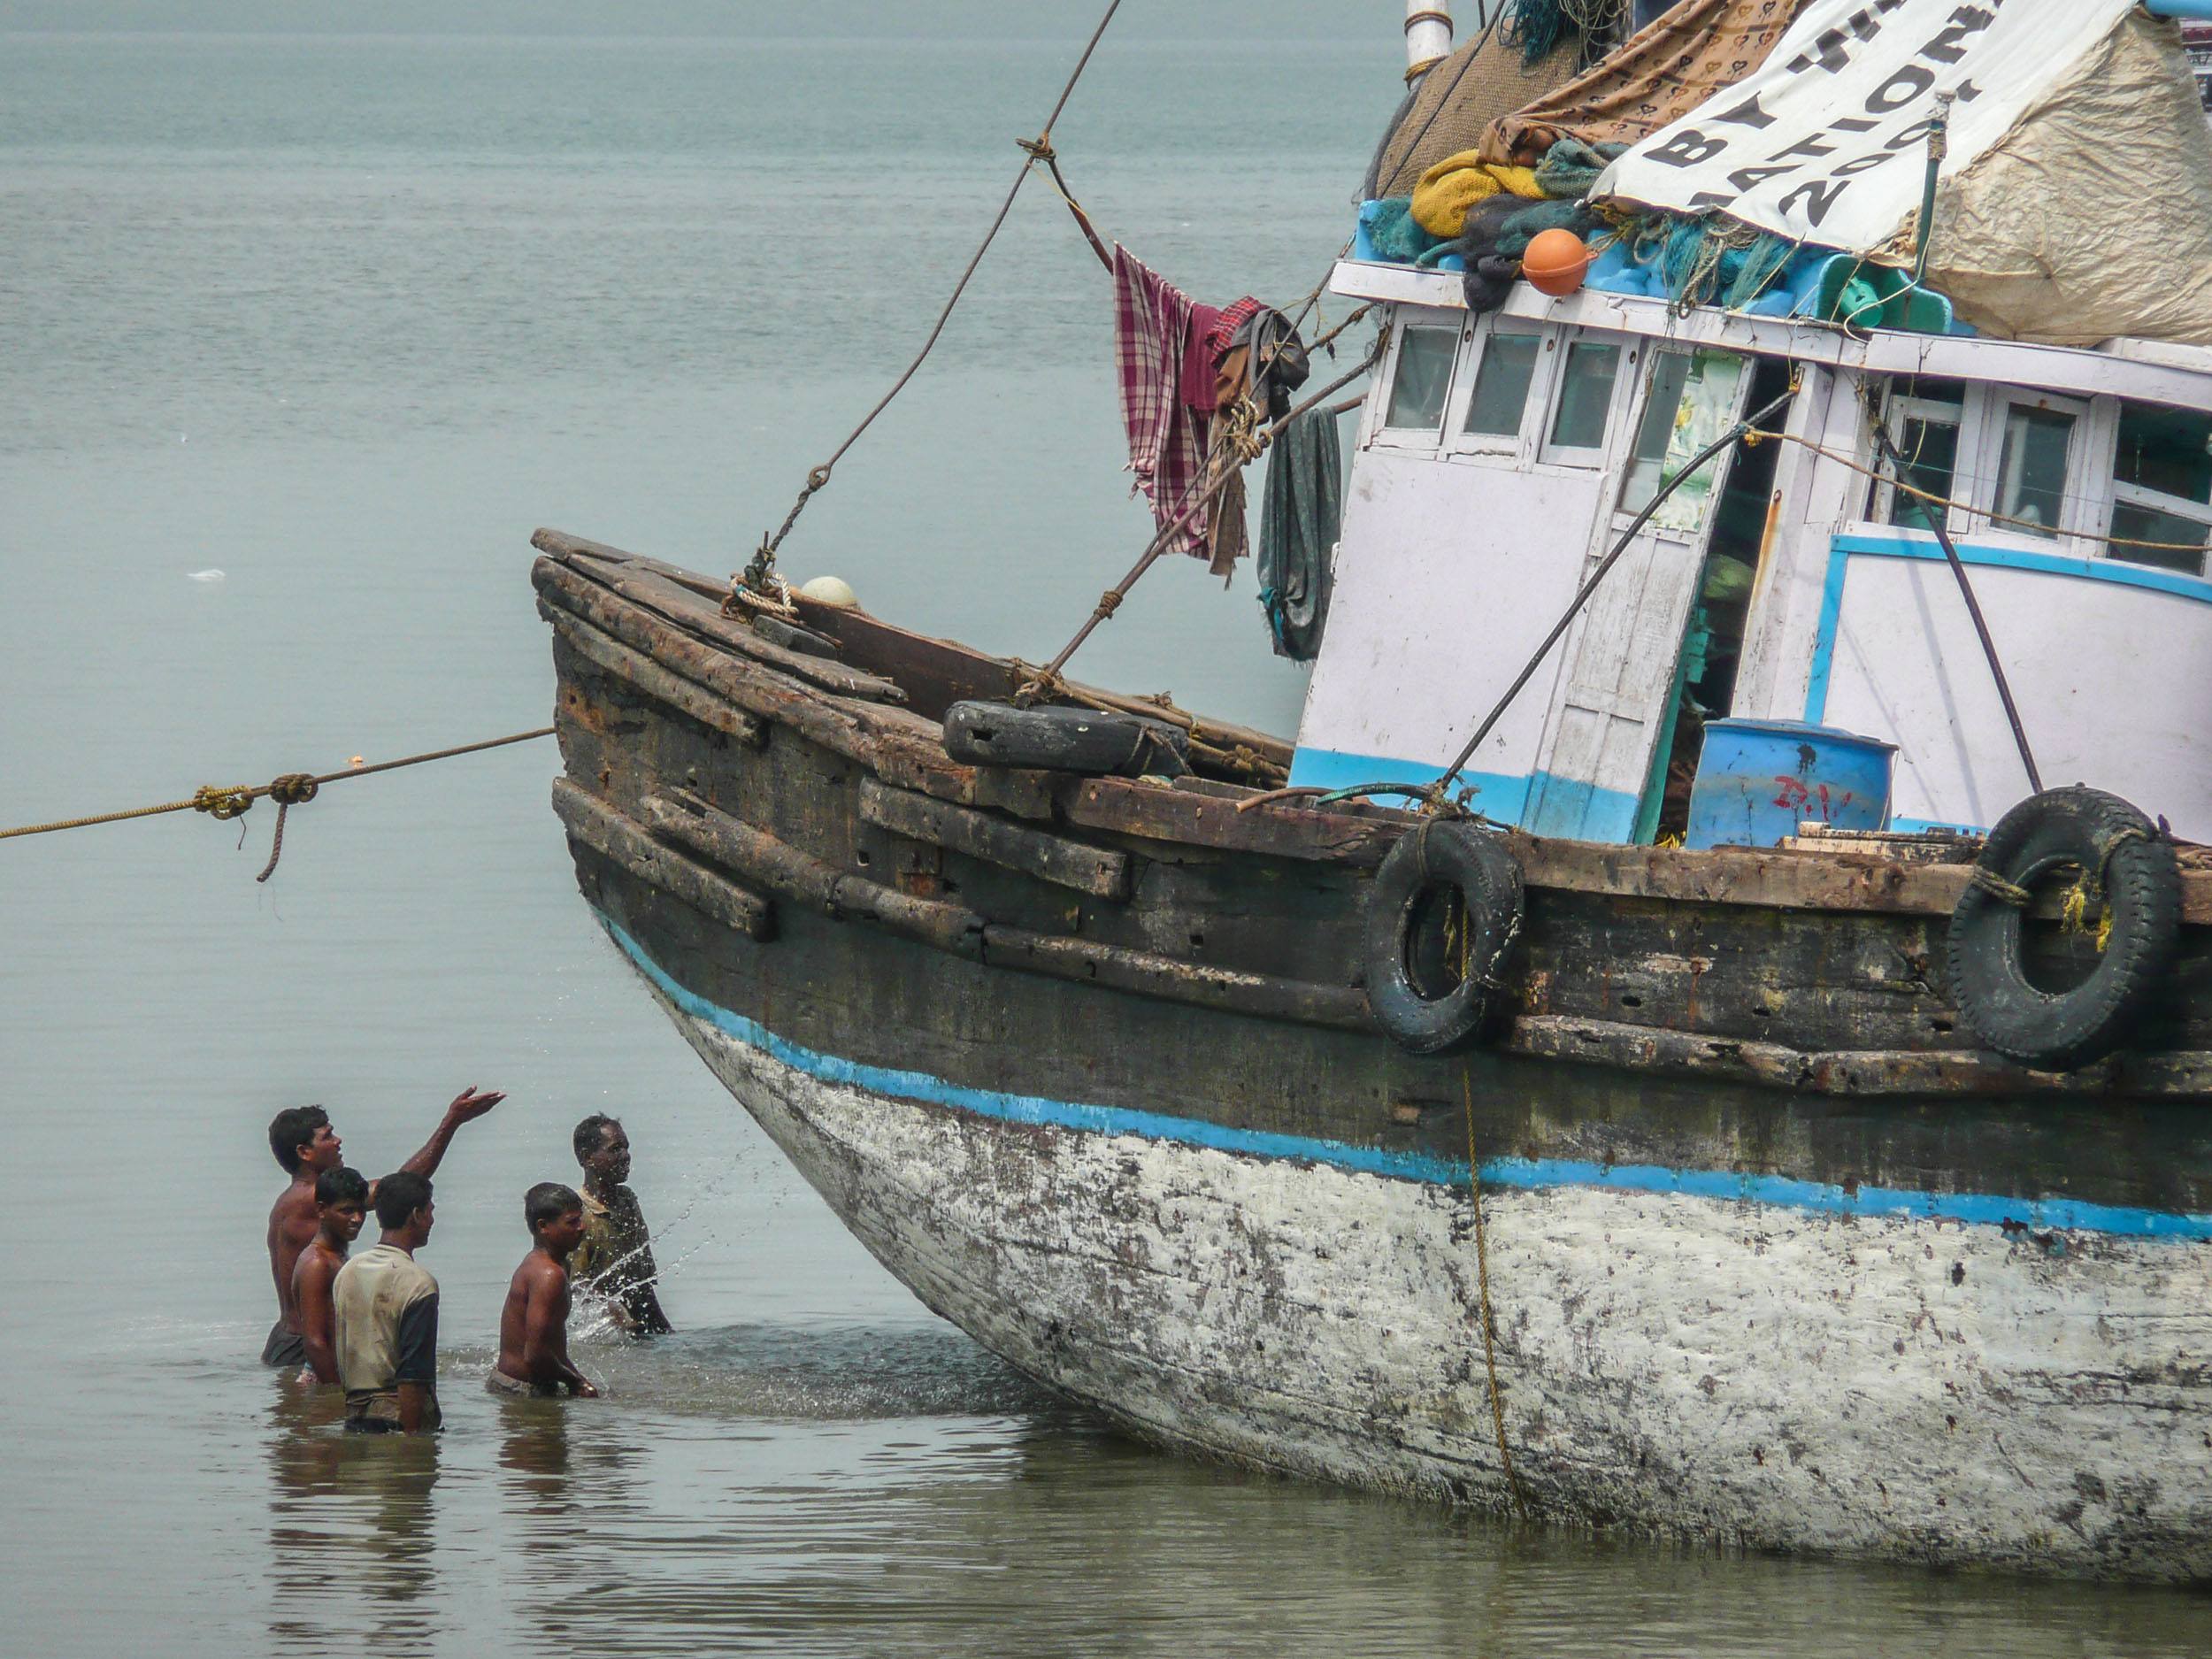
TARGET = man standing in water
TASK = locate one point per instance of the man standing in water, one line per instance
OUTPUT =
(615, 1261)
(385, 1304)
(342, 1204)
(534, 1325)
(306, 1145)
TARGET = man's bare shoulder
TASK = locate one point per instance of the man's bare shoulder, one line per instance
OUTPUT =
(540, 1272)
(316, 1265)
(298, 1198)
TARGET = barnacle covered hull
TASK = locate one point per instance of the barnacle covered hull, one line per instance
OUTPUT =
(1776, 1258)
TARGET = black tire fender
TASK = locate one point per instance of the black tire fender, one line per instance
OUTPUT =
(2121, 852)
(1438, 854)
(1057, 739)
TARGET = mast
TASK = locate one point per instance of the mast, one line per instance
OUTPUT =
(1428, 35)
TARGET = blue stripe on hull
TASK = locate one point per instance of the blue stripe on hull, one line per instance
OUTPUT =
(2061, 1213)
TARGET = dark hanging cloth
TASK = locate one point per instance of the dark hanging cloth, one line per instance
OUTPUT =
(1300, 516)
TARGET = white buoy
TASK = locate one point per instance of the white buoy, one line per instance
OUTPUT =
(831, 590)
(207, 576)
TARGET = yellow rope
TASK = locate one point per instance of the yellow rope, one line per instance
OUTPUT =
(1482, 1281)
(2047, 531)
(290, 788)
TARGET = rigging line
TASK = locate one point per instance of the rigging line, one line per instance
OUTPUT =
(756, 572)
(1973, 609)
(1956, 503)
(1482, 1281)
(1597, 576)
(1194, 499)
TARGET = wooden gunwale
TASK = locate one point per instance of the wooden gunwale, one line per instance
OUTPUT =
(1807, 878)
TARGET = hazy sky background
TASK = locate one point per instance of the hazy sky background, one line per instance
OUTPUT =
(1152, 19)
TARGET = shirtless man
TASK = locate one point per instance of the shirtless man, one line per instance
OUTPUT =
(534, 1325)
(306, 1145)
(342, 1204)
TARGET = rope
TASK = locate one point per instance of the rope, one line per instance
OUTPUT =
(1034, 151)
(1973, 606)
(1482, 1281)
(1949, 502)
(2006, 892)
(287, 789)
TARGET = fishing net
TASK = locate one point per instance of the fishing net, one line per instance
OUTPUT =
(1456, 101)
(1659, 75)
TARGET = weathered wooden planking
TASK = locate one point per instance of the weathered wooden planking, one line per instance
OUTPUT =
(1787, 880)
(1148, 974)
(1132, 808)
(901, 745)
(783, 868)
(600, 827)
(1776, 878)
(686, 696)
(938, 673)
(1098, 871)
(1846, 1071)
(678, 602)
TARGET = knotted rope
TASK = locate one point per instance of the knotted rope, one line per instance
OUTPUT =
(288, 789)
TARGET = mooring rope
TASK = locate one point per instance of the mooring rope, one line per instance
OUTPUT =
(1482, 1282)
(287, 789)
(757, 574)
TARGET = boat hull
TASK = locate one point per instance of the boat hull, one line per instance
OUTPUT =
(1727, 1370)
(1778, 1258)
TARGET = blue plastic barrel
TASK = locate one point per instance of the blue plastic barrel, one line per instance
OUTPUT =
(1757, 780)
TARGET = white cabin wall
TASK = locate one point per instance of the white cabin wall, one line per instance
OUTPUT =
(1448, 575)
(2098, 707)
(1457, 556)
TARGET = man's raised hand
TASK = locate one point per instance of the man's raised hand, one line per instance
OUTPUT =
(468, 1104)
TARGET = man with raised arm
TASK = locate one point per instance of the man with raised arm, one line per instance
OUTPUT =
(385, 1308)
(305, 1145)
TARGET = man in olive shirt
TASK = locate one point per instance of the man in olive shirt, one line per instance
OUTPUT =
(385, 1308)
(615, 1261)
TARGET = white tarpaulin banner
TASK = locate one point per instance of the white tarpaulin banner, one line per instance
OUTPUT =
(1826, 141)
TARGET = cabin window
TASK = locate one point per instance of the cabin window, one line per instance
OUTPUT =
(1586, 396)
(1501, 383)
(1925, 418)
(2161, 487)
(2031, 469)
(1692, 397)
(1423, 378)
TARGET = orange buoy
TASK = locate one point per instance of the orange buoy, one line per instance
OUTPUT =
(1556, 262)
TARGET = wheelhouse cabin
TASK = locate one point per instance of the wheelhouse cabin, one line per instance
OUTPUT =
(1500, 456)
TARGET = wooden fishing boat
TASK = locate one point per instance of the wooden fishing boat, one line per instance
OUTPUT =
(1778, 1254)
(1845, 1189)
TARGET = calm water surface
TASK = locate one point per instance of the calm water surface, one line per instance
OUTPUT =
(344, 320)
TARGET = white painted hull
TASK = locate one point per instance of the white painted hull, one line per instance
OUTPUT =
(1735, 1373)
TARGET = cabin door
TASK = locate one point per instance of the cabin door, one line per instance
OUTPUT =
(1616, 699)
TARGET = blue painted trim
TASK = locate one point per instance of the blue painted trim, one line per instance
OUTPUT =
(1496, 795)
(1843, 548)
(1825, 634)
(2118, 571)
(1525, 1173)
(1574, 809)
(1918, 826)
